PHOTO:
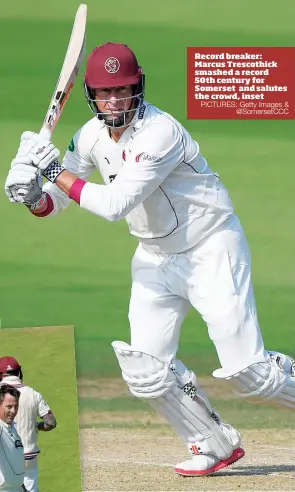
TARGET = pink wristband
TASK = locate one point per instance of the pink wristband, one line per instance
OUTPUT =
(76, 189)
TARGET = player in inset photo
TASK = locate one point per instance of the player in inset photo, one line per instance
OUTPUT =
(12, 461)
(32, 408)
(40, 365)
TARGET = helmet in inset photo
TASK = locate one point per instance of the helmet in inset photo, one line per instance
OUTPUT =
(9, 366)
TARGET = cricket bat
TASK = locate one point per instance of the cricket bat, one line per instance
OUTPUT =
(70, 69)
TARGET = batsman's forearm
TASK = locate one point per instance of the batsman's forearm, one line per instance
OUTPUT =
(108, 201)
(102, 200)
(65, 181)
(70, 184)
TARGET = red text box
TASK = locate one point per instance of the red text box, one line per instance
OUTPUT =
(241, 83)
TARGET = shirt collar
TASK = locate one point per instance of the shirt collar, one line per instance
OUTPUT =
(11, 380)
(9, 427)
(140, 113)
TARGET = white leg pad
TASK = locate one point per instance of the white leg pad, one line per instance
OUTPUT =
(169, 389)
(272, 381)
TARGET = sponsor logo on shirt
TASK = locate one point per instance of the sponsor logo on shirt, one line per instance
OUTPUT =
(141, 112)
(143, 157)
(72, 146)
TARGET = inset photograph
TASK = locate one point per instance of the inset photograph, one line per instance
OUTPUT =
(39, 432)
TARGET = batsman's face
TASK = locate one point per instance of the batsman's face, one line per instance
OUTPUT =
(114, 100)
(8, 408)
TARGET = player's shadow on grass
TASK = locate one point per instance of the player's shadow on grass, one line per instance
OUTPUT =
(255, 470)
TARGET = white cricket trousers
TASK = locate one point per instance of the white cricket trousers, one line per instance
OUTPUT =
(215, 278)
(31, 475)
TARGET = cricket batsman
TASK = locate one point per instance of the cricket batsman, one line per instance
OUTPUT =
(31, 406)
(191, 251)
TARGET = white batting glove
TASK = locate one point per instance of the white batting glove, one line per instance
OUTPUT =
(27, 142)
(23, 183)
(41, 153)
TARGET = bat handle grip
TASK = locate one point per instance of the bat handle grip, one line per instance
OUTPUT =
(45, 132)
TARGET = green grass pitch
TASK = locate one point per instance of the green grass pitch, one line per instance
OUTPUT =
(74, 269)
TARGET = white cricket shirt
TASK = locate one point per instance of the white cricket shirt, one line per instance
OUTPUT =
(12, 462)
(31, 406)
(155, 177)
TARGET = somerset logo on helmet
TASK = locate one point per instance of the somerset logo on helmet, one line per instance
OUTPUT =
(110, 68)
(112, 65)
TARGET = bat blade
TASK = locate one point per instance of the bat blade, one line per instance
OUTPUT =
(70, 69)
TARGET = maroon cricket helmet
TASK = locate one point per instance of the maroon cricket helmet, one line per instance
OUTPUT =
(8, 364)
(112, 65)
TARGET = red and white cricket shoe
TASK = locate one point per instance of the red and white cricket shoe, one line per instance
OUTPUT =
(201, 464)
